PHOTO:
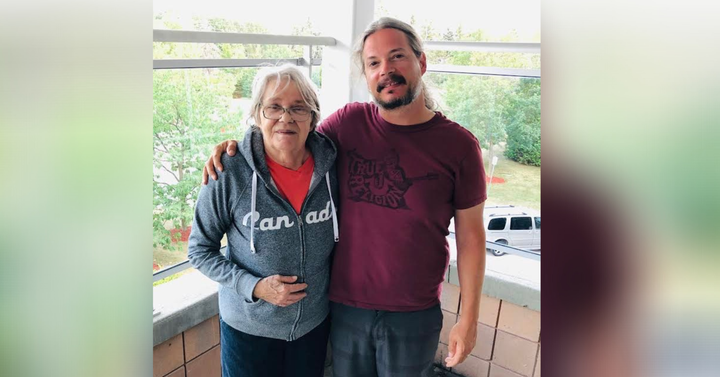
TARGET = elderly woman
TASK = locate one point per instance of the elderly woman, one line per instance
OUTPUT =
(275, 203)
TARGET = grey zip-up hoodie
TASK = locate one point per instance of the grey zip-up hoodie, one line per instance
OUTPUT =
(281, 242)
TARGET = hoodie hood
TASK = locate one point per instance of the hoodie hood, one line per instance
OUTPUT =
(266, 236)
(323, 150)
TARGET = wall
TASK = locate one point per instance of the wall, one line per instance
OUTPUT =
(187, 333)
(193, 353)
(508, 337)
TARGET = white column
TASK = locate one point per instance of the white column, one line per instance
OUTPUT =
(341, 83)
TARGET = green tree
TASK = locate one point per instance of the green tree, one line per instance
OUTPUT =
(477, 103)
(523, 130)
(191, 113)
(244, 77)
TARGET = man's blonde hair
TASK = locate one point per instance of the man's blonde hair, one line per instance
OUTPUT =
(413, 39)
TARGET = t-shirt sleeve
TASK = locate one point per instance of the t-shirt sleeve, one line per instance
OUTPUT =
(331, 125)
(470, 182)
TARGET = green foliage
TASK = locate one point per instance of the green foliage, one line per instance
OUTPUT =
(497, 110)
(523, 114)
(316, 76)
(192, 107)
(172, 277)
(191, 114)
(489, 107)
(477, 104)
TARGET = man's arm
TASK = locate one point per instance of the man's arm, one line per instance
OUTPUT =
(329, 127)
(228, 146)
(470, 238)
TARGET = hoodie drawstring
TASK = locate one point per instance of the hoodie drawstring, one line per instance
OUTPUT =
(332, 206)
(252, 210)
(252, 213)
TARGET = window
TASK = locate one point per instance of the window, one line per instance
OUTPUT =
(497, 224)
(196, 108)
(281, 17)
(193, 109)
(492, 92)
(504, 115)
(537, 223)
(492, 21)
(520, 223)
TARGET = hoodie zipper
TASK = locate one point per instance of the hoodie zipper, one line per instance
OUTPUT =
(311, 191)
(302, 246)
(302, 272)
(303, 251)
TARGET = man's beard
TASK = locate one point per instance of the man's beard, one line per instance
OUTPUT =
(407, 99)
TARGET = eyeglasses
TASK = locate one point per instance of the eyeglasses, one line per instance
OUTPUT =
(297, 113)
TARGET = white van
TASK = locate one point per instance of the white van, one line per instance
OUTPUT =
(513, 226)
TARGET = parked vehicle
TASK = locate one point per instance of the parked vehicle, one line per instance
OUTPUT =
(509, 225)
(513, 226)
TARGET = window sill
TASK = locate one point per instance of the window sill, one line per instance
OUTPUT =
(181, 304)
(506, 287)
(192, 298)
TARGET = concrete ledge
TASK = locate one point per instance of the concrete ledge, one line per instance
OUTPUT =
(511, 289)
(521, 292)
(182, 303)
(192, 298)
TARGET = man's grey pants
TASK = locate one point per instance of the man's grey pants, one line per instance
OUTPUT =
(369, 343)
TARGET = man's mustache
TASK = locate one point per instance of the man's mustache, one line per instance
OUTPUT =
(390, 79)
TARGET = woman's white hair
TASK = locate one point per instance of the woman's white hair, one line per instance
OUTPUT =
(282, 76)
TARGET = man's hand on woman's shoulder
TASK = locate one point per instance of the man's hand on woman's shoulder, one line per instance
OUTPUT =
(228, 146)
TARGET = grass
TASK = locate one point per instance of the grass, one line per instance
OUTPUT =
(166, 258)
(522, 182)
(173, 277)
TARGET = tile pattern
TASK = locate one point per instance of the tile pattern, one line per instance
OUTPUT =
(168, 356)
(193, 353)
(497, 371)
(519, 321)
(450, 297)
(515, 353)
(508, 339)
(472, 366)
(507, 345)
(179, 372)
(202, 337)
(205, 365)
(449, 320)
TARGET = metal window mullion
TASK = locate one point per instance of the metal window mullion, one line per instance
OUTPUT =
(186, 36)
(172, 270)
(487, 71)
(306, 60)
(534, 255)
(524, 48)
(219, 63)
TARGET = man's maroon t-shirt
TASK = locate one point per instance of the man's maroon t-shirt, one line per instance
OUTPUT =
(399, 188)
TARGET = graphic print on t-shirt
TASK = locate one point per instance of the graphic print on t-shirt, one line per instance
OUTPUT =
(381, 182)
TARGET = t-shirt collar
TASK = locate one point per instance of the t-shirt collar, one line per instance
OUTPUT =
(413, 128)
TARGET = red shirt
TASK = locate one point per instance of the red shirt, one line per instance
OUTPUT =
(293, 185)
(399, 188)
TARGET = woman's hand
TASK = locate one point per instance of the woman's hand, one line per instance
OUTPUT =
(279, 290)
(213, 163)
